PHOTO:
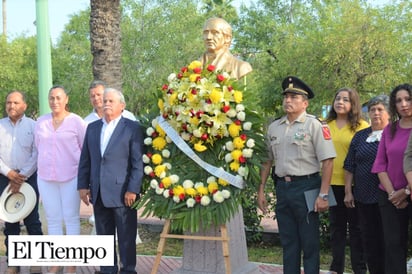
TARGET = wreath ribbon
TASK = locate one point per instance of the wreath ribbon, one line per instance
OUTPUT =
(236, 181)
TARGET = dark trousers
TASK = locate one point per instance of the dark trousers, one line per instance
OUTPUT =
(124, 221)
(298, 229)
(395, 234)
(340, 219)
(372, 236)
(32, 221)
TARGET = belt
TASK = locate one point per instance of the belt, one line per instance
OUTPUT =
(291, 178)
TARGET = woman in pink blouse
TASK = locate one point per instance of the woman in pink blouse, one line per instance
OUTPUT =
(59, 138)
(394, 195)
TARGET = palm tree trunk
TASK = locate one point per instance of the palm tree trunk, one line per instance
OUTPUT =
(105, 38)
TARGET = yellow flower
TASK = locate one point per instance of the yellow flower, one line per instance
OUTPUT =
(159, 143)
(238, 96)
(193, 77)
(177, 190)
(234, 166)
(234, 130)
(202, 190)
(160, 131)
(160, 104)
(195, 64)
(199, 147)
(215, 96)
(191, 191)
(212, 186)
(223, 182)
(194, 121)
(238, 143)
(157, 159)
(173, 99)
(236, 154)
(167, 182)
(158, 170)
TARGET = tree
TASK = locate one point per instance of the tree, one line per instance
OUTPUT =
(105, 38)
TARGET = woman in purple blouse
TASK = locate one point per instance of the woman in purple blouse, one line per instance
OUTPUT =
(394, 195)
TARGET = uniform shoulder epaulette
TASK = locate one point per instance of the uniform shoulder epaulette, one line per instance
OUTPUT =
(315, 117)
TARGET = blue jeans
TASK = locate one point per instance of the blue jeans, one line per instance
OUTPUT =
(32, 221)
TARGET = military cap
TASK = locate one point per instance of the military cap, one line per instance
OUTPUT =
(292, 84)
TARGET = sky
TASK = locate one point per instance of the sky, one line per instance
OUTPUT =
(21, 15)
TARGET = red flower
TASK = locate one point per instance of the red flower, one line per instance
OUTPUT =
(165, 87)
(184, 127)
(199, 113)
(211, 68)
(170, 91)
(182, 197)
(161, 185)
(155, 134)
(197, 70)
(238, 122)
(225, 108)
(230, 88)
(198, 198)
(194, 91)
(243, 137)
(184, 69)
(170, 192)
(220, 78)
(165, 115)
(149, 155)
(152, 174)
(242, 160)
(204, 136)
(179, 76)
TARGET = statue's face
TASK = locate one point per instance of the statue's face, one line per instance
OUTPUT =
(213, 37)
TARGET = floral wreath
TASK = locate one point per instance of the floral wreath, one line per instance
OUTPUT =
(204, 109)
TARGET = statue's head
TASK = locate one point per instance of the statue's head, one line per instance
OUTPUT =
(217, 34)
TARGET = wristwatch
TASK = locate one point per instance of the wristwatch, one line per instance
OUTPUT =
(407, 191)
(324, 196)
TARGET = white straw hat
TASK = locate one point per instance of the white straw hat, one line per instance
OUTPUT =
(17, 206)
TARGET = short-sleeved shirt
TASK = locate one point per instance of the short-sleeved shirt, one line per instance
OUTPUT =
(297, 148)
(341, 138)
(359, 162)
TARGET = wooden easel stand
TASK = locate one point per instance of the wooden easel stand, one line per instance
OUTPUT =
(165, 235)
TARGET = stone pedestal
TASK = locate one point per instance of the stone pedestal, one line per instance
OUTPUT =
(206, 257)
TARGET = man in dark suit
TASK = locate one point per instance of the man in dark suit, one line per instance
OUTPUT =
(110, 176)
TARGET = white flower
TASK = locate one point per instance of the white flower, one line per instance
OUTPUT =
(159, 190)
(150, 131)
(168, 140)
(166, 153)
(229, 146)
(187, 184)
(211, 179)
(197, 133)
(240, 107)
(226, 193)
(247, 126)
(166, 194)
(199, 184)
(205, 201)
(250, 143)
(241, 115)
(174, 178)
(228, 158)
(218, 197)
(231, 113)
(185, 136)
(162, 175)
(147, 170)
(176, 199)
(154, 123)
(154, 184)
(171, 77)
(247, 152)
(168, 166)
(226, 75)
(148, 141)
(242, 171)
(146, 159)
(190, 202)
